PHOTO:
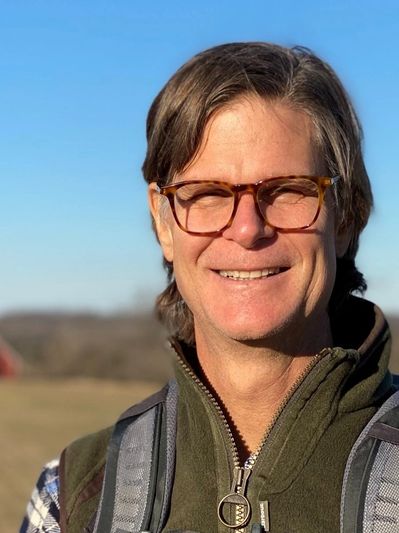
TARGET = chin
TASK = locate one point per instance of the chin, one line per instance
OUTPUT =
(248, 330)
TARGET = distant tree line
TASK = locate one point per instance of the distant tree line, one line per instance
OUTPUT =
(117, 346)
(123, 346)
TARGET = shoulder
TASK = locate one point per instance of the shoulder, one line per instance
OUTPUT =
(67, 482)
(68, 489)
(82, 463)
(87, 452)
(81, 471)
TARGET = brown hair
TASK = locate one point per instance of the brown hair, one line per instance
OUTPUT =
(295, 76)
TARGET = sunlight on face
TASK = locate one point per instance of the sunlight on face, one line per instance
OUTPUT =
(251, 281)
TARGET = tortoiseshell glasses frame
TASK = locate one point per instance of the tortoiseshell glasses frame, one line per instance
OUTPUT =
(223, 190)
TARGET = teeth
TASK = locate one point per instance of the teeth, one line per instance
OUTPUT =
(251, 274)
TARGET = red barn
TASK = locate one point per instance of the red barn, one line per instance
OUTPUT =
(10, 361)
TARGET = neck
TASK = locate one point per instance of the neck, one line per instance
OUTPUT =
(251, 381)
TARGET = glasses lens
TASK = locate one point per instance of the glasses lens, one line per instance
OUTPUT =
(203, 207)
(289, 203)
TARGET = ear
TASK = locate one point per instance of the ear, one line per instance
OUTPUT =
(162, 221)
(343, 238)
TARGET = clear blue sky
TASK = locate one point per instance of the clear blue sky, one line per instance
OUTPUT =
(77, 78)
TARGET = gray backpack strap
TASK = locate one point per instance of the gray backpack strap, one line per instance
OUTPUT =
(370, 490)
(140, 467)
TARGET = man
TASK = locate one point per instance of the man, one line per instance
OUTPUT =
(258, 194)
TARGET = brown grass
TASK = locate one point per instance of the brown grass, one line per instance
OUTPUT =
(38, 418)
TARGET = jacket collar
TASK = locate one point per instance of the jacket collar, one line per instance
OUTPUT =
(349, 377)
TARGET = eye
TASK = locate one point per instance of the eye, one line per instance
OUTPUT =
(202, 192)
(287, 191)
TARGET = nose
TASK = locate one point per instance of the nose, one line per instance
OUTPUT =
(248, 227)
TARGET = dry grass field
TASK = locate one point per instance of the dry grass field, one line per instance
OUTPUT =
(39, 417)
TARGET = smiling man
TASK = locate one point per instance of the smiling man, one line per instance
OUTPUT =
(258, 193)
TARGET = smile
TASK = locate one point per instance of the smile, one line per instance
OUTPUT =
(250, 274)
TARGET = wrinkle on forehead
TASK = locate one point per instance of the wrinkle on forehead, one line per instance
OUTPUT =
(234, 122)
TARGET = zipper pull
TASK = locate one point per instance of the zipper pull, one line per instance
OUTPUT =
(234, 510)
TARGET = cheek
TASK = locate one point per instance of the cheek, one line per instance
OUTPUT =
(325, 268)
(322, 271)
(185, 277)
(183, 255)
(188, 263)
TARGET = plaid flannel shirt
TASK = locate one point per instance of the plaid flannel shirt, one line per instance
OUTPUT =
(43, 511)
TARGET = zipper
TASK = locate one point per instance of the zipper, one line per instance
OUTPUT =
(236, 498)
(237, 495)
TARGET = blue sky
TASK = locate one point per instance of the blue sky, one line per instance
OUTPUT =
(77, 78)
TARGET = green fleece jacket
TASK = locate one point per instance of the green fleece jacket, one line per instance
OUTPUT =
(300, 468)
(295, 482)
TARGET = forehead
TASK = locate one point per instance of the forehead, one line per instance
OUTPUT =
(251, 139)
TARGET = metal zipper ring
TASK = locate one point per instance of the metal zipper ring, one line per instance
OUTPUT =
(234, 499)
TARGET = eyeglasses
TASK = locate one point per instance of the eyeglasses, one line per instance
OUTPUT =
(207, 207)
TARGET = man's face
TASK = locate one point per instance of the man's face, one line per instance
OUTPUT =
(244, 142)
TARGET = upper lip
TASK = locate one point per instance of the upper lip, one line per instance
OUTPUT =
(252, 269)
